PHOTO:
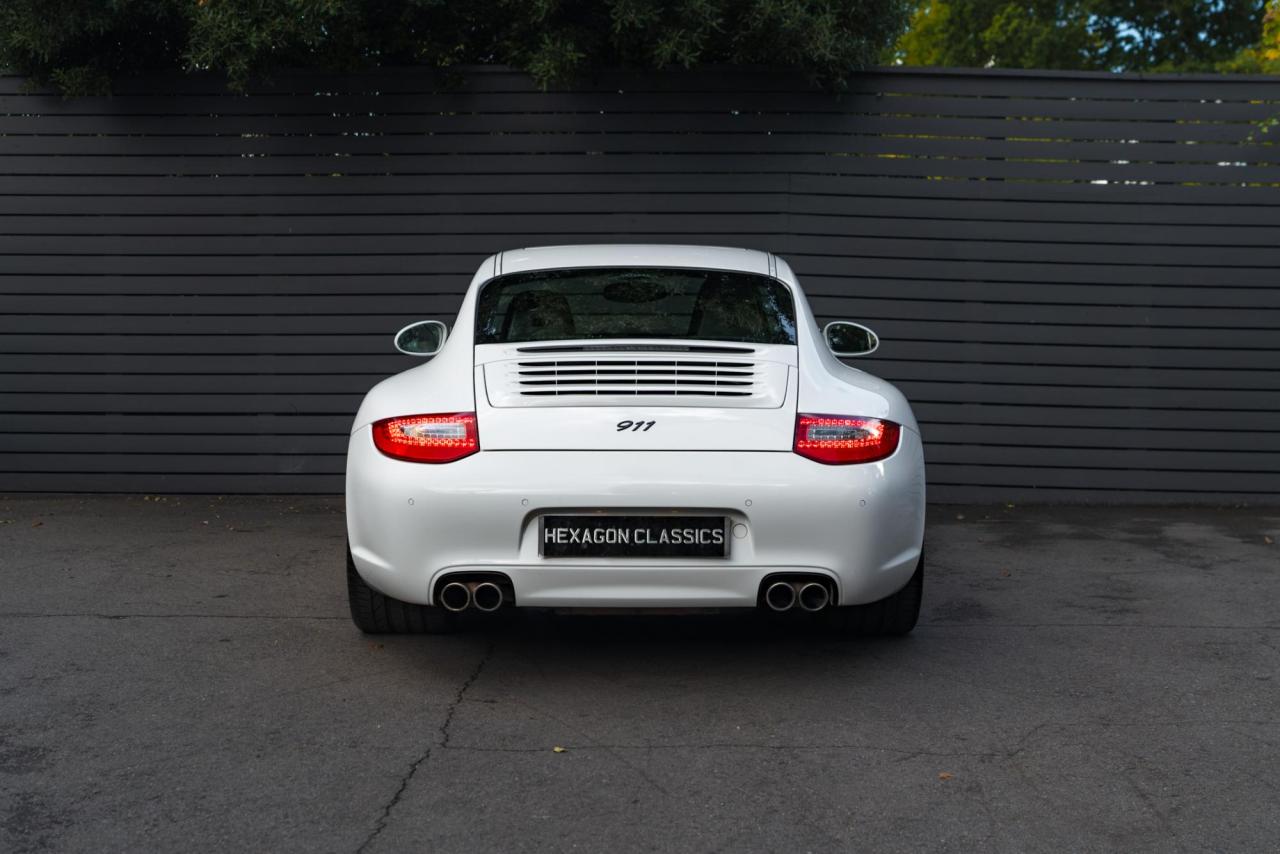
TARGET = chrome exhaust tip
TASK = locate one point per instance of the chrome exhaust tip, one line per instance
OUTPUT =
(780, 596)
(814, 596)
(455, 596)
(487, 596)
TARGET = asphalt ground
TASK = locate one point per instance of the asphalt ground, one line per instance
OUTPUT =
(180, 674)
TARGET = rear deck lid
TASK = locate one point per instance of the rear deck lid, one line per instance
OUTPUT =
(636, 357)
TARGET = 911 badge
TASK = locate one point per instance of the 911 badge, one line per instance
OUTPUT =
(635, 426)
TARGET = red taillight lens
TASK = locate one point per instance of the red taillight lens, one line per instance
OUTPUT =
(838, 440)
(428, 438)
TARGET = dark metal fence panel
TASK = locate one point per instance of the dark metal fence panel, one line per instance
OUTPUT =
(1075, 276)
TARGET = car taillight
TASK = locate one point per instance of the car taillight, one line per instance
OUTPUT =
(839, 440)
(428, 438)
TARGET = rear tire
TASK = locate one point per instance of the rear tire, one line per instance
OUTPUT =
(377, 614)
(893, 615)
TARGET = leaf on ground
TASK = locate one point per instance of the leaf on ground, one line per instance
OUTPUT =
(37, 524)
(945, 775)
(558, 749)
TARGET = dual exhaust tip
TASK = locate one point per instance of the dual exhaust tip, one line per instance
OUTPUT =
(780, 596)
(785, 595)
(460, 595)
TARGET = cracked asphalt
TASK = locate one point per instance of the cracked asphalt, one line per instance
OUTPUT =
(180, 674)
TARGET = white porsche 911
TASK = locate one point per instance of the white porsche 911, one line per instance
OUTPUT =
(635, 427)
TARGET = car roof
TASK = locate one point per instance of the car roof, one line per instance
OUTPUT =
(633, 255)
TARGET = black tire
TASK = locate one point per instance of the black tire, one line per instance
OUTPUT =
(378, 614)
(893, 615)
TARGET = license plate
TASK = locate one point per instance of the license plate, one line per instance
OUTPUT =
(634, 536)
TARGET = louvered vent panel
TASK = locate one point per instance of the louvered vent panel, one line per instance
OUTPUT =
(642, 379)
(576, 377)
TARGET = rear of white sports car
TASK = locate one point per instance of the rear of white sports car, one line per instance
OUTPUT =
(634, 428)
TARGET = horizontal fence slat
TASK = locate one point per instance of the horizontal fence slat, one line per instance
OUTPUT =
(740, 220)
(1120, 353)
(1085, 271)
(398, 185)
(20, 253)
(40, 386)
(212, 403)
(1126, 418)
(358, 214)
(947, 493)
(245, 132)
(193, 463)
(297, 152)
(337, 185)
(1066, 378)
(176, 481)
(15, 248)
(1078, 477)
(1101, 294)
(94, 302)
(1219, 401)
(166, 446)
(943, 309)
(836, 163)
(1039, 214)
(180, 344)
(146, 423)
(192, 365)
(1126, 459)
(1067, 436)
(352, 207)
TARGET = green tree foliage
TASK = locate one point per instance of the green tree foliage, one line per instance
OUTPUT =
(81, 45)
(1263, 57)
(1127, 35)
(78, 44)
(1006, 33)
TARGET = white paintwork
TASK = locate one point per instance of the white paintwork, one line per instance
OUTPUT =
(410, 524)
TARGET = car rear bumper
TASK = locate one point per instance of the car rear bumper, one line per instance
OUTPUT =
(411, 524)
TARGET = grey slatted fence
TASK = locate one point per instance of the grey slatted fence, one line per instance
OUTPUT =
(1076, 277)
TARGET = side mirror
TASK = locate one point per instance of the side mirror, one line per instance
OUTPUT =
(847, 339)
(424, 338)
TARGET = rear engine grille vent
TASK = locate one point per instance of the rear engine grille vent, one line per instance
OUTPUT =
(647, 377)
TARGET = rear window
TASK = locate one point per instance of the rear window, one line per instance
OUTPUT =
(703, 305)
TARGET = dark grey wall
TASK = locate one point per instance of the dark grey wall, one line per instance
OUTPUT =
(1075, 275)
